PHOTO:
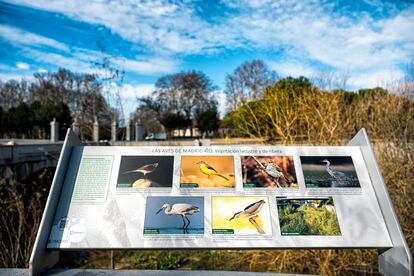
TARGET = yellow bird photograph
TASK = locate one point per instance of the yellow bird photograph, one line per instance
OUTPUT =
(207, 172)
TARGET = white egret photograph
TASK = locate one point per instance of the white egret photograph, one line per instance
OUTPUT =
(171, 215)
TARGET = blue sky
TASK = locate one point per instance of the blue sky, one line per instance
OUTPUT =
(368, 41)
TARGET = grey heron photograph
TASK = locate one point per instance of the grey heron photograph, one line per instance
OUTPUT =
(269, 172)
(329, 172)
(172, 215)
(145, 172)
(312, 216)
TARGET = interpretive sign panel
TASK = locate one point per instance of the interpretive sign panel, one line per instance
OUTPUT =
(218, 197)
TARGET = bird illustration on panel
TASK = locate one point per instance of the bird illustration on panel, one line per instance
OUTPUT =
(180, 209)
(251, 211)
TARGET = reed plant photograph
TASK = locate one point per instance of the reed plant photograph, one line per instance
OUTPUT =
(307, 217)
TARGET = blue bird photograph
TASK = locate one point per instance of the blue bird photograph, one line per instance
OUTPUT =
(329, 172)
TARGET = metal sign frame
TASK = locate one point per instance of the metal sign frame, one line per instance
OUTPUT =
(396, 260)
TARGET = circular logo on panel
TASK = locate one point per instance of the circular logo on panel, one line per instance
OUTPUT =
(64, 223)
(77, 232)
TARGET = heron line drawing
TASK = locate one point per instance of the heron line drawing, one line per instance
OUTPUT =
(273, 171)
(180, 209)
(337, 175)
(251, 211)
(209, 170)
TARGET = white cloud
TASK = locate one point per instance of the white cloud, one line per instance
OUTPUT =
(22, 65)
(149, 66)
(58, 60)
(371, 79)
(292, 68)
(159, 25)
(311, 31)
(41, 70)
(130, 91)
(82, 61)
(6, 77)
(19, 37)
(129, 94)
(8, 72)
(222, 102)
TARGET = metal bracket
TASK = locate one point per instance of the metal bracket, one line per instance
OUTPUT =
(396, 260)
(41, 258)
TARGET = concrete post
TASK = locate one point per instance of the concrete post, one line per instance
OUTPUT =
(76, 126)
(113, 131)
(128, 131)
(139, 132)
(96, 130)
(54, 131)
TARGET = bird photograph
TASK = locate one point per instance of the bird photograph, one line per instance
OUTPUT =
(145, 172)
(241, 215)
(329, 172)
(207, 172)
(268, 172)
(174, 215)
(307, 216)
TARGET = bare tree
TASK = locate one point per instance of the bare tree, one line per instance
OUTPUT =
(247, 83)
(12, 93)
(329, 80)
(111, 76)
(149, 117)
(182, 96)
(407, 87)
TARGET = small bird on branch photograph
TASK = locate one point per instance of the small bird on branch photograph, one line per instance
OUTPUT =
(174, 215)
(145, 172)
(268, 172)
(241, 215)
(329, 172)
(207, 172)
